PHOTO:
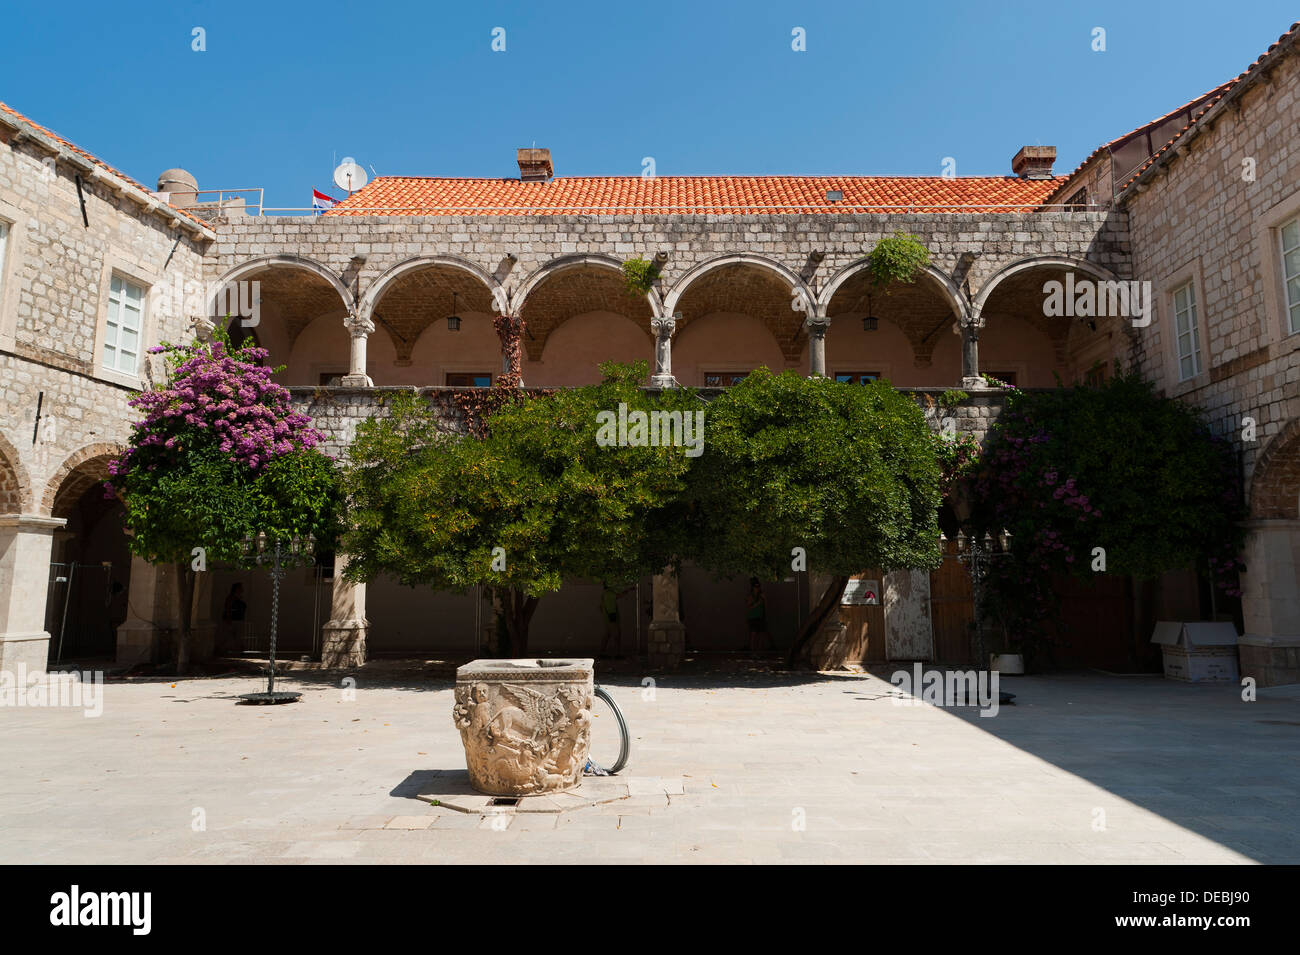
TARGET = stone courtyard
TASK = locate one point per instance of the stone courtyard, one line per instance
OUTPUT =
(736, 767)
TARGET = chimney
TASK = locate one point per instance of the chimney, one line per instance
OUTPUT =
(1034, 162)
(535, 165)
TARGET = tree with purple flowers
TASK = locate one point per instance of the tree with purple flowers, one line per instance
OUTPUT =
(1118, 470)
(219, 455)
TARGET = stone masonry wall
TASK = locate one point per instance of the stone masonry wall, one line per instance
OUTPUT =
(993, 240)
(1203, 219)
(54, 284)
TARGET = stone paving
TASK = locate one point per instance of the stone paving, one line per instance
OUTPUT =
(1087, 768)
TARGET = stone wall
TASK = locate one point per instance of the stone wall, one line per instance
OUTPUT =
(689, 240)
(1203, 220)
(54, 285)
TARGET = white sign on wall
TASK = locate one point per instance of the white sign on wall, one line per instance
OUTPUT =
(861, 593)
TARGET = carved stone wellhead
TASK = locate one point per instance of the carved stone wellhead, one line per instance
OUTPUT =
(526, 724)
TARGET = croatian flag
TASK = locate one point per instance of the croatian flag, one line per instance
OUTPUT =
(320, 202)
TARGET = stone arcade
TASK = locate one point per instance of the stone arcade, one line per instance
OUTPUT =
(357, 302)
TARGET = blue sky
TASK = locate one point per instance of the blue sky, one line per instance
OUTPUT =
(285, 89)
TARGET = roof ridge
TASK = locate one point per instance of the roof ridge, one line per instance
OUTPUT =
(92, 158)
(1230, 89)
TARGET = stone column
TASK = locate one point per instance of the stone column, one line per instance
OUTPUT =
(664, 329)
(510, 329)
(360, 330)
(343, 637)
(151, 613)
(1269, 649)
(817, 346)
(25, 543)
(666, 639)
(970, 355)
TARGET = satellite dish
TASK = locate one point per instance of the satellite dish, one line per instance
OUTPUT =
(349, 175)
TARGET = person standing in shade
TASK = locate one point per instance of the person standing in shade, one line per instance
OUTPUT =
(756, 614)
(609, 609)
(232, 616)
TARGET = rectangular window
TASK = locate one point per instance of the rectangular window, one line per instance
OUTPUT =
(334, 378)
(1187, 333)
(856, 377)
(122, 332)
(1096, 376)
(723, 379)
(1006, 377)
(1290, 235)
(469, 379)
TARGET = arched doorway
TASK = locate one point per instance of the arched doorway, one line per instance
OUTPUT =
(90, 569)
(1270, 600)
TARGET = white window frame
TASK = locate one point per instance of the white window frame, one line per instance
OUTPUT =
(11, 255)
(1290, 304)
(113, 327)
(1189, 317)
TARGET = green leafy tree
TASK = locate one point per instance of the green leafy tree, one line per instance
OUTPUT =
(846, 472)
(539, 498)
(220, 454)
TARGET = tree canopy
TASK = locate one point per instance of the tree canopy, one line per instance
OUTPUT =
(846, 472)
(1116, 472)
(541, 497)
(219, 455)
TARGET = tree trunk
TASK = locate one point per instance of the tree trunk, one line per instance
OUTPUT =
(518, 610)
(185, 587)
(824, 608)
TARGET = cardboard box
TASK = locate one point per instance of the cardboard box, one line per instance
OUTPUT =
(1198, 651)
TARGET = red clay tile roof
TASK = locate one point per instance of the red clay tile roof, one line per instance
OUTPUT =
(597, 195)
(89, 157)
(1229, 90)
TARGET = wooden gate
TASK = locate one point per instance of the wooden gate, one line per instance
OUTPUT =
(866, 623)
(952, 612)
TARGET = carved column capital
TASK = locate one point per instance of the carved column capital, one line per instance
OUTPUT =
(203, 328)
(664, 326)
(817, 327)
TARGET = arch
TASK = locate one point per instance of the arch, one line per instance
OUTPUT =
(78, 472)
(286, 261)
(575, 285)
(1034, 262)
(725, 342)
(1275, 479)
(575, 348)
(567, 262)
(375, 291)
(15, 486)
(937, 276)
(683, 284)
